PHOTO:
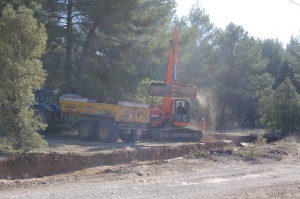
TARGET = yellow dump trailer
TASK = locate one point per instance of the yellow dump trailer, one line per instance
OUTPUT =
(107, 122)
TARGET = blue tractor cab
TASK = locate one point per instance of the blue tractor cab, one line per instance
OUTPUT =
(44, 107)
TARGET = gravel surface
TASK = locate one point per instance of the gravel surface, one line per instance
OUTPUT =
(179, 178)
(251, 171)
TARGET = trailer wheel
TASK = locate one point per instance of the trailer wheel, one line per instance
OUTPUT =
(87, 129)
(107, 132)
(131, 137)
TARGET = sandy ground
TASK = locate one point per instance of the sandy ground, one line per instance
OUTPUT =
(235, 169)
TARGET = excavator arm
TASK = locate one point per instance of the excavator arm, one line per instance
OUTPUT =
(171, 87)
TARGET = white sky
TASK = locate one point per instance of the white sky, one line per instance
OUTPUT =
(260, 18)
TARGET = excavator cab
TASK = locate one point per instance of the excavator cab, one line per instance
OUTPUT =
(181, 112)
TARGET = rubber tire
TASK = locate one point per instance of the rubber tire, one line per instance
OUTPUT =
(107, 132)
(132, 137)
(87, 129)
(46, 118)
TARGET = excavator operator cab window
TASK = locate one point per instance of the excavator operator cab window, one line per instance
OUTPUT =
(181, 111)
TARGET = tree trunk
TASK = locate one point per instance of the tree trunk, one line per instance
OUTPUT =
(68, 64)
(84, 55)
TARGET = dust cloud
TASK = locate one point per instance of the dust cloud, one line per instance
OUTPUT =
(206, 110)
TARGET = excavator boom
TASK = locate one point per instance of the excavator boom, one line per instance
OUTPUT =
(171, 85)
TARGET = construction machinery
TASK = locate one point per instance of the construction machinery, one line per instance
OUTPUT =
(167, 121)
(106, 122)
(102, 121)
(49, 113)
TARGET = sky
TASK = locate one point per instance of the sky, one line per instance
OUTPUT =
(265, 19)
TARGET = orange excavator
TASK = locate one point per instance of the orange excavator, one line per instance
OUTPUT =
(171, 120)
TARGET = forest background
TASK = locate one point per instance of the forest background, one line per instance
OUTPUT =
(113, 49)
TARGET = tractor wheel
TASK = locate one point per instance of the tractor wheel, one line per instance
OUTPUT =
(107, 132)
(131, 137)
(87, 129)
(44, 117)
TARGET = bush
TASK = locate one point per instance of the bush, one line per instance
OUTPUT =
(279, 109)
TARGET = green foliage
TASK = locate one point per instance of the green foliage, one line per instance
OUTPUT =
(113, 48)
(142, 92)
(286, 107)
(260, 139)
(22, 43)
(229, 148)
(16, 3)
(251, 153)
(195, 51)
(266, 107)
(199, 152)
(292, 63)
(5, 145)
(274, 52)
(105, 46)
(238, 77)
(279, 109)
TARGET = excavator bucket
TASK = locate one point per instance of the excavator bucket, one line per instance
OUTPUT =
(187, 91)
(159, 89)
(162, 90)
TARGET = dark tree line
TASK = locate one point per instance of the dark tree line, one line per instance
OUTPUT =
(114, 48)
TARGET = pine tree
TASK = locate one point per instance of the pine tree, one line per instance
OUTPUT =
(22, 43)
(279, 108)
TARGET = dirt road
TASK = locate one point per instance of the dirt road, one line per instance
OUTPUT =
(216, 177)
(226, 171)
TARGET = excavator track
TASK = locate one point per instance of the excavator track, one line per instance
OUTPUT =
(178, 134)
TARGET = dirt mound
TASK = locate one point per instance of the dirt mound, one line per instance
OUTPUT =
(19, 166)
(40, 164)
